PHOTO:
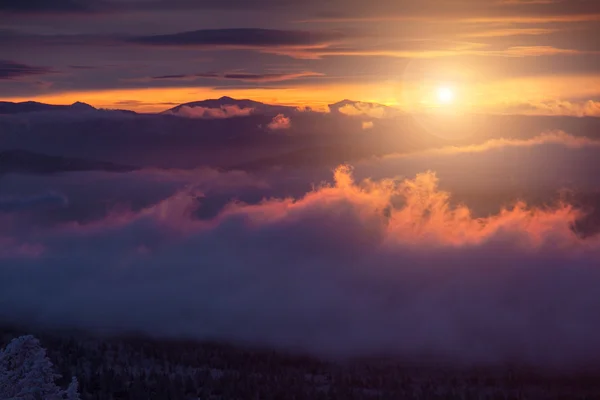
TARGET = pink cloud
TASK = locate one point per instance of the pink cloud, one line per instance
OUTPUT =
(11, 248)
(355, 261)
(280, 122)
(588, 108)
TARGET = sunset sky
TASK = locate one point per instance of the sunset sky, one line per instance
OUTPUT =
(497, 56)
(422, 182)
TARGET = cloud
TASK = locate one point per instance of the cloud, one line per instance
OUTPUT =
(84, 67)
(138, 103)
(245, 77)
(270, 77)
(428, 49)
(280, 122)
(107, 6)
(9, 248)
(352, 268)
(498, 172)
(12, 70)
(534, 51)
(31, 202)
(528, 1)
(174, 77)
(509, 32)
(558, 137)
(460, 163)
(588, 108)
(42, 6)
(292, 43)
(241, 38)
(225, 111)
(399, 48)
(539, 11)
(319, 108)
(362, 109)
(28, 203)
(473, 11)
(367, 125)
(355, 267)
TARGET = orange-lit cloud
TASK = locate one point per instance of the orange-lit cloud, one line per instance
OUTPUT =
(375, 255)
(534, 51)
(509, 32)
(521, 19)
(454, 50)
(588, 108)
(364, 109)
(280, 122)
(528, 1)
(559, 137)
(370, 110)
(424, 216)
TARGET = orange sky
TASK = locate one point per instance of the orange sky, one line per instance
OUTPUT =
(497, 55)
(470, 96)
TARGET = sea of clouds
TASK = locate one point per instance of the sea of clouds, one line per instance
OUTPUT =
(375, 258)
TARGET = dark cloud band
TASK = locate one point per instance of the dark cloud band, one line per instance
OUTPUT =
(240, 37)
(13, 70)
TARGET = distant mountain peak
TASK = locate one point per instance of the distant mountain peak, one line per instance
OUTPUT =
(34, 106)
(255, 107)
(364, 108)
(354, 102)
(82, 106)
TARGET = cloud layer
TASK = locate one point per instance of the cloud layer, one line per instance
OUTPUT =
(354, 267)
(12, 70)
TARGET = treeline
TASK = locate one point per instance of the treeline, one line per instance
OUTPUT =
(136, 368)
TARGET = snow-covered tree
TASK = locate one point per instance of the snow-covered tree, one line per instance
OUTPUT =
(73, 390)
(3, 376)
(26, 373)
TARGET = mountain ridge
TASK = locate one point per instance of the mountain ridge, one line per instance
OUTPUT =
(257, 107)
(24, 161)
(26, 107)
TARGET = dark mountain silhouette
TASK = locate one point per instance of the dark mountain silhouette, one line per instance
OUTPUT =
(167, 141)
(23, 161)
(257, 107)
(9, 108)
(81, 106)
(33, 106)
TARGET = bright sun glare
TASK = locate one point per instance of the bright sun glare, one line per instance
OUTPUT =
(445, 95)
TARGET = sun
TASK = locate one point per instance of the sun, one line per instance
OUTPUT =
(445, 95)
